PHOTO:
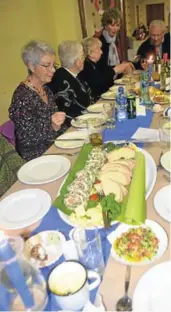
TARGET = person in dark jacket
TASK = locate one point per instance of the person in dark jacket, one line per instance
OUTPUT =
(72, 94)
(158, 42)
(111, 21)
(99, 79)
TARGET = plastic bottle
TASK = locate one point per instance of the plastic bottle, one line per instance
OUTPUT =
(121, 105)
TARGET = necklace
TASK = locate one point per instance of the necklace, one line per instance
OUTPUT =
(41, 91)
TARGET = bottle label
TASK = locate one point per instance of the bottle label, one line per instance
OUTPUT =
(167, 87)
(159, 68)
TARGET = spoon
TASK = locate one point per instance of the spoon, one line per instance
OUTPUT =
(159, 166)
(125, 303)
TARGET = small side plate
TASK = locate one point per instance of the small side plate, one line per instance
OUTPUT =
(50, 241)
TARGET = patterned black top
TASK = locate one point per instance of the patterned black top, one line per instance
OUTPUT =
(32, 119)
(71, 94)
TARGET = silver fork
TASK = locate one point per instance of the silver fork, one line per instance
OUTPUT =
(159, 166)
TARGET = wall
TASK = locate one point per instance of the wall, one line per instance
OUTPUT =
(93, 18)
(131, 12)
(142, 9)
(22, 20)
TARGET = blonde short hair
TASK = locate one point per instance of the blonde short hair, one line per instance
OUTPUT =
(89, 44)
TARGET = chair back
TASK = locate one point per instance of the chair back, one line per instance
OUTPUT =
(8, 131)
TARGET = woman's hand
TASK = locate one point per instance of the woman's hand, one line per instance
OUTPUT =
(125, 67)
(57, 119)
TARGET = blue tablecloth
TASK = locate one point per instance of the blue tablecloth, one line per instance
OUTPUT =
(52, 221)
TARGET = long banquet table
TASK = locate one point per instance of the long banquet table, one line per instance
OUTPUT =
(112, 286)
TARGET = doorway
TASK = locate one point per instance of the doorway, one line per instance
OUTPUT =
(154, 12)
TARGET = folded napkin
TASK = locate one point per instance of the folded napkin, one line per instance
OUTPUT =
(146, 134)
(133, 210)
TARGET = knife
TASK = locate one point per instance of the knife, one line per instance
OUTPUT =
(67, 140)
(117, 142)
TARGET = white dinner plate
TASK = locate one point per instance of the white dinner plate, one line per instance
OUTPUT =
(125, 81)
(157, 230)
(23, 208)
(51, 242)
(83, 135)
(165, 161)
(44, 169)
(115, 88)
(153, 290)
(80, 122)
(109, 95)
(95, 108)
(162, 202)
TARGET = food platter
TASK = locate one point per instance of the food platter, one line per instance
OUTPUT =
(93, 216)
(81, 121)
(138, 245)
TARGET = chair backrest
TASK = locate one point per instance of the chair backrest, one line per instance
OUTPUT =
(7, 130)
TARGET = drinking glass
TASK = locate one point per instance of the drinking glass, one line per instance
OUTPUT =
(14, 269)
(89, 248)
(164, 133)
(94, 129)
(109, 113)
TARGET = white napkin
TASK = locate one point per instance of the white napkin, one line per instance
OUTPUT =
(140, 109)
(146, 134)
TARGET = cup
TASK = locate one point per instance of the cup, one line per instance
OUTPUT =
(68, 283)
(164, 133)
(94, 129)
(89, 248)
(109, 112)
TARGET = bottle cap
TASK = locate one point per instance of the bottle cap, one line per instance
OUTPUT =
(121, 90)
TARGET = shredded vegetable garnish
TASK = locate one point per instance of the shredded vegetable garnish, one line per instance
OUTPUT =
(137, 244)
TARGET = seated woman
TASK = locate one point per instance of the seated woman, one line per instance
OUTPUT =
(33, 109)
(111, 22)
(10, 163)
(72, 94)
(99, 79)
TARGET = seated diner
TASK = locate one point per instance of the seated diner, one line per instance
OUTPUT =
(72, 94)
(99, 79)
(33, 109)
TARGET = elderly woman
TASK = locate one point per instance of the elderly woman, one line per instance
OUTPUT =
(99, 79)
(72, 94)
(33, 109)
(111, 21)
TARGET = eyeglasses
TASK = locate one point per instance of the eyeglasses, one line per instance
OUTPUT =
(49, 66)
(156, 35)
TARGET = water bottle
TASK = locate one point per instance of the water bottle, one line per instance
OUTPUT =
(121, 105)
(145, 98)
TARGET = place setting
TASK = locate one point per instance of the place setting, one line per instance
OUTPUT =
(44, 169)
